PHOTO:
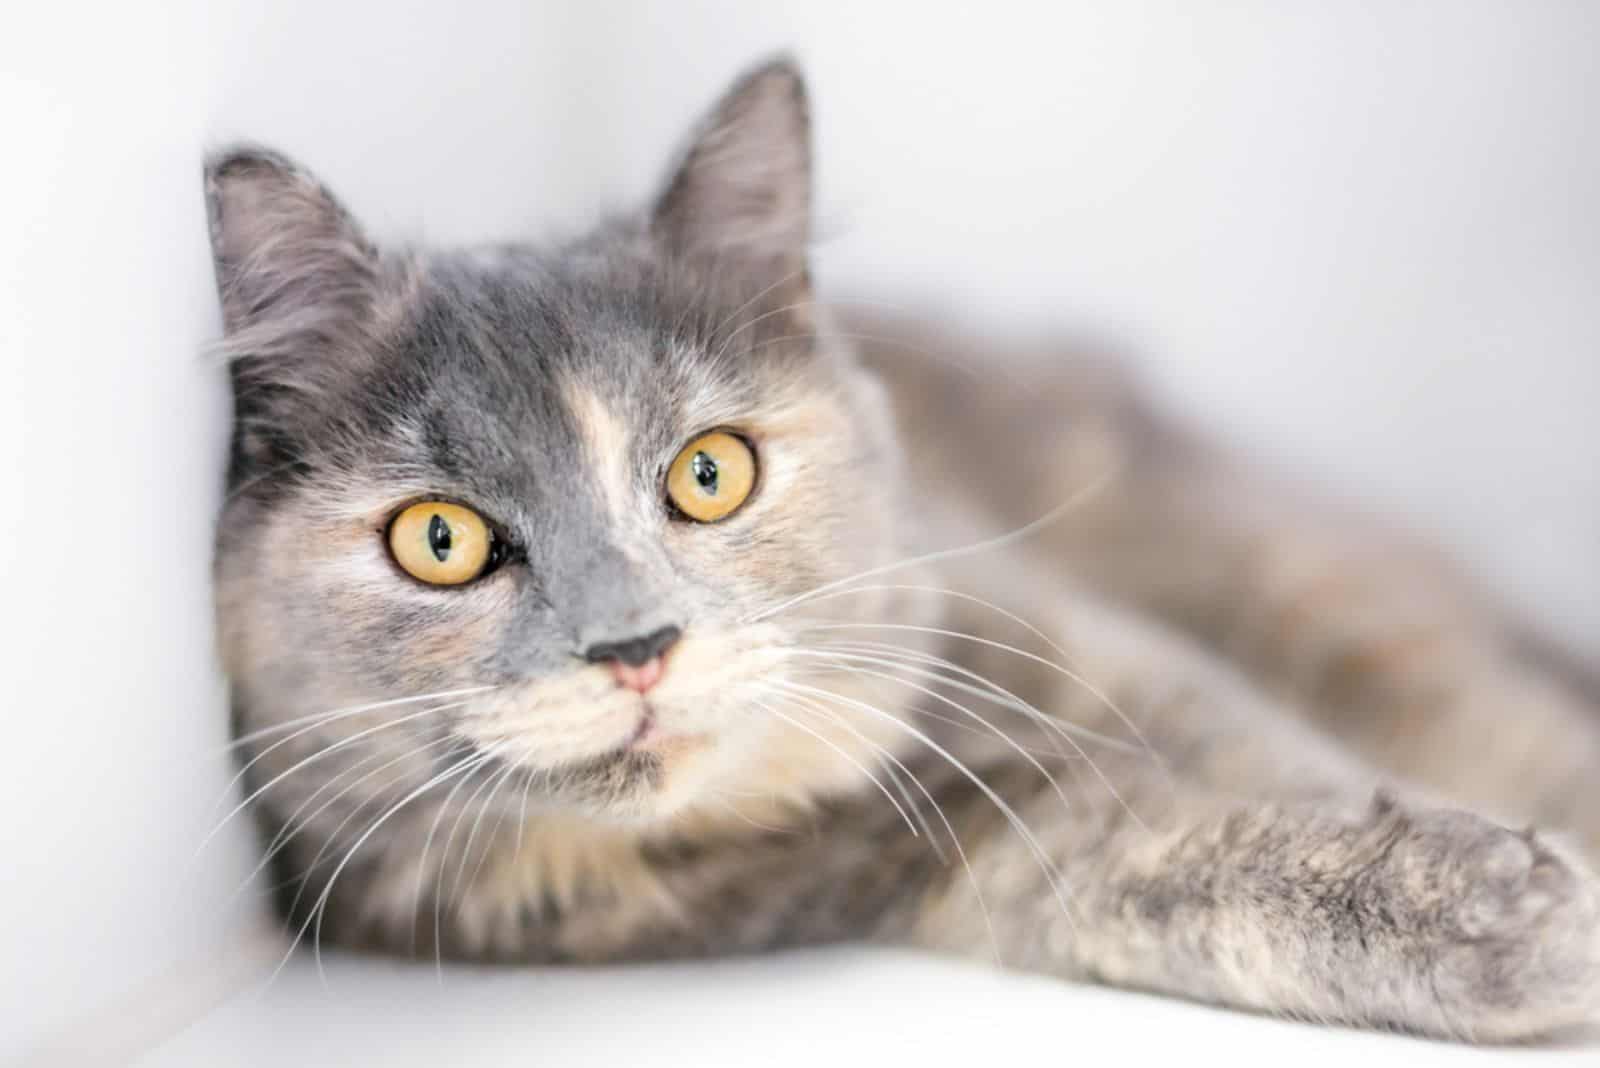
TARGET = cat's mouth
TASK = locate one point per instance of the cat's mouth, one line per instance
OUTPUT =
(652, 738)
(647, 726)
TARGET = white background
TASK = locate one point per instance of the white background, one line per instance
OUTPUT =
(1359, 238)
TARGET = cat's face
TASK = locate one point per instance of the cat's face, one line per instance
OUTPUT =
(484, 476)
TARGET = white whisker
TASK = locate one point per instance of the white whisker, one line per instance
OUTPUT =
(1055, 730)
(330, 840)
(318, 755)
(478, 763)
(893, 766)
(288, 831)
(996, 645)
(985, 689)
(721, 799)
(318, 718)
(955, 839)
(912, 827)
(494, 829)
(1052, 874)
(522, 819)
(986, 545)
(997, 732)
(1099, 695)
(327, 891)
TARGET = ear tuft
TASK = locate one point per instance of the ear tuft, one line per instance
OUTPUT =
(743, 188)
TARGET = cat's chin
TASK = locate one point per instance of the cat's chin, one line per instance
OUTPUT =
(654, 777)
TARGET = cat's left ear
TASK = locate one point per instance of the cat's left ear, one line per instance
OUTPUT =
(742, 193)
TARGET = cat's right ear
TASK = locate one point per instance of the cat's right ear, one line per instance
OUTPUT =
(741, 195)
(294, 271)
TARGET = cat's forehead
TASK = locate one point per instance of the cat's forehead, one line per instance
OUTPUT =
(513, 338)
(506, 369)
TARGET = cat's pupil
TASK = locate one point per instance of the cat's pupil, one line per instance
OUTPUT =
(705, 472)
(439, 538)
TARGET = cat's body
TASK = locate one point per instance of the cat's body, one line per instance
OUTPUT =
(847, 737)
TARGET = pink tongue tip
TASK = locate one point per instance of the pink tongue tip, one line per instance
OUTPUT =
(639, 679)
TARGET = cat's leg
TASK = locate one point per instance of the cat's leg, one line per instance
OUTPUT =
(1252, 866)
(1430, 921)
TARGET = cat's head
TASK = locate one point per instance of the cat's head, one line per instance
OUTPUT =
(562, 490)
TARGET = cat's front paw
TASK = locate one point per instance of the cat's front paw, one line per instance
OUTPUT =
(1507, 926)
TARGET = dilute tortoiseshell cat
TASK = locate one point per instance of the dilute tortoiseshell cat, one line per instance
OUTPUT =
(616, 600)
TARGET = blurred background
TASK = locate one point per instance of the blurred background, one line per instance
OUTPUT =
(1359, 239)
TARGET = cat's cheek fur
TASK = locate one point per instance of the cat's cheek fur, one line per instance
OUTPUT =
(325, 593)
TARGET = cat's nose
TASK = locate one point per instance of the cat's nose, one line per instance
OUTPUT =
(635, 662)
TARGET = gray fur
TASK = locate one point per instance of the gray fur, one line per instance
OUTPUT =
(1164, 779)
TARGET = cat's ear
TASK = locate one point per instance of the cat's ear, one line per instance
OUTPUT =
(293, 268)
(742, 192)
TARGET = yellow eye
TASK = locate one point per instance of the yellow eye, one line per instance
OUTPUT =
(712, 476)
(440, 543)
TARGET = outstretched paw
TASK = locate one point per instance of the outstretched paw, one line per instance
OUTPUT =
(1505, 928)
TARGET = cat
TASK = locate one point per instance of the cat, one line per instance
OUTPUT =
(621, 600)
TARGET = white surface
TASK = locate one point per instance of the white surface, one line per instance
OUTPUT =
(835, 1007)
(1362, 237)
